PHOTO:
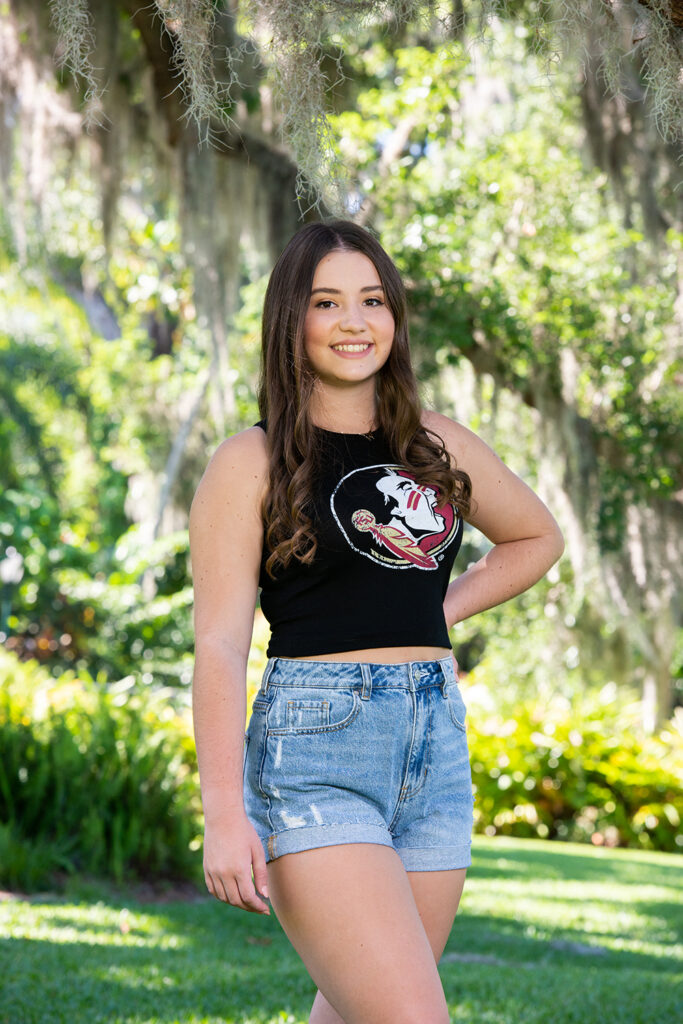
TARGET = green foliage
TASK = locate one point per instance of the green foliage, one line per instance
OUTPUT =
(56, 428)
(101, 781)
(304, 43)
(122, 627)
(513, 257)
(87, 606)
(84, 419)
(573, 767)
(41, 622)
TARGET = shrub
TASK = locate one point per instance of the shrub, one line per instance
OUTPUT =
(576, 768)
(83, 603)
(94, 780)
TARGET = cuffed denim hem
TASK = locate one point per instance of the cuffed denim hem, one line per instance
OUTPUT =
(294, 840)
(435, 858)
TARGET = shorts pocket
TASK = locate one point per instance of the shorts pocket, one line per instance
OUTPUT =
(297, 712)
(456, 706)
(307, 714)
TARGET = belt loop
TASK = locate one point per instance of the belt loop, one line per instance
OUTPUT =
(367, 681)
(446, 664)
(267, 674)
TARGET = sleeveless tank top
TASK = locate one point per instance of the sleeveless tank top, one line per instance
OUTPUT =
(383, 562)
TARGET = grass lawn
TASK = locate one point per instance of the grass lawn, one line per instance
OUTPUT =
(547, 933)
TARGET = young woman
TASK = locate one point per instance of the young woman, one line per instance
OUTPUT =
(349, 802)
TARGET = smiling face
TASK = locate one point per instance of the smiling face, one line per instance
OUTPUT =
(349, 329)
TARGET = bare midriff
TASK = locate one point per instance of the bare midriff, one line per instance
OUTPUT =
(385, 655)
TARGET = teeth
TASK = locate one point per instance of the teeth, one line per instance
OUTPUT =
(351, 348)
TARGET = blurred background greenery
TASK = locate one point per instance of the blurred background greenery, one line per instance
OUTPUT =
(537, 220)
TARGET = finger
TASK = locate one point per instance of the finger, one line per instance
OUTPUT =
(218, 889)
(237, 901)
(227, 891)
(208, 880)
(211, 886)
(250, 899)
(258, 861)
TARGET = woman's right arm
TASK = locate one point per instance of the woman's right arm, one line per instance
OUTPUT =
(225, 542)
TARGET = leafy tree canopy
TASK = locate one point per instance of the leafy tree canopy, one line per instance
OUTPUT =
(218, 44)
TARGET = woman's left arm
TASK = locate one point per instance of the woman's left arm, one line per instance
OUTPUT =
(526, 537)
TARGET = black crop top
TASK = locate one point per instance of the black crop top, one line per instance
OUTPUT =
(383, 562)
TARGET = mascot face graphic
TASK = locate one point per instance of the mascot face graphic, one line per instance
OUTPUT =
(413, 505)
(388, 517)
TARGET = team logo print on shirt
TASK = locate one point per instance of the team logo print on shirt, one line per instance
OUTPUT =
(387, 516)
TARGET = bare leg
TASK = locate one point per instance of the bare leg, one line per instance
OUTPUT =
(350, 913)
(437, 896)
(322, 1012)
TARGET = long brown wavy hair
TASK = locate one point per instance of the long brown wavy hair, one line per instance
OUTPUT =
(287, 382)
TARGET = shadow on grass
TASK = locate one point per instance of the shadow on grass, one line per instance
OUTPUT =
(227, 966)
(115, 959)
(562, 862)
(530, 867)
(510, 942)
(183, 970)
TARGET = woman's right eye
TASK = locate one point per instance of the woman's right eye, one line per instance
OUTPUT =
(324, 304)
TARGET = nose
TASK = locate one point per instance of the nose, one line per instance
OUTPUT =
(352, 318)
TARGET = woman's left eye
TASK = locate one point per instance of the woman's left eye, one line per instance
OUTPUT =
(372, 302)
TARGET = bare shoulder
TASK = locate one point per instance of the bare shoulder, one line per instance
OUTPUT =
(237, 471)
(460, 442)
(244, 449)
(503, 506)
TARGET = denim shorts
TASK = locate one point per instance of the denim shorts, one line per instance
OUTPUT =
(350, 752)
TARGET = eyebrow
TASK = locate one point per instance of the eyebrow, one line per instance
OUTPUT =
(336, 291)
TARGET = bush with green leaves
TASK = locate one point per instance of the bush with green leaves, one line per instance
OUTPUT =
(573, 766)
(110, 610)
(94, 780)
(84, 418)
(135, 613)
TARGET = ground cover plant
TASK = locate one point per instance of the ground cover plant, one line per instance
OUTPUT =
(92, 780)
(546, 931)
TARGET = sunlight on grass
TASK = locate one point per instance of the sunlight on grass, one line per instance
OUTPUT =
(546, 932)
(95, 924)
(618, 900)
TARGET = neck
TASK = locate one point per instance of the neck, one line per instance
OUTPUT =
(351, 410)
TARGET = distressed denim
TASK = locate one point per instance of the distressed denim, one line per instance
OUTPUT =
(350, 752)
